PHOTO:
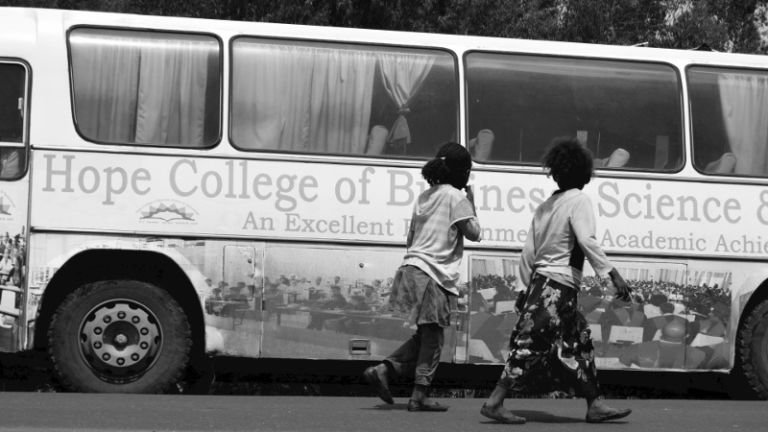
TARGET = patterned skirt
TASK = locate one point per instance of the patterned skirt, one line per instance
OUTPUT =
(419, 298)
(550, 346)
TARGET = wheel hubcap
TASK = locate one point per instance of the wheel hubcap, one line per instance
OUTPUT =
(120, 339)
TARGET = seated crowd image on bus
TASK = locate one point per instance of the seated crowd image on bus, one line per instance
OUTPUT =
(678, 319)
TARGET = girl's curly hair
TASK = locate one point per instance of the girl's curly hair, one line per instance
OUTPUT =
(451, 166)
(570, 163)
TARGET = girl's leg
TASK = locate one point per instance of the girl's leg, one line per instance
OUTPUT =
(429, 358)
(496, 399)
(578, 358)
(586, 375)
(493, 408)
(432, 339)
(525, 349)
(404, 360)
(401, 362)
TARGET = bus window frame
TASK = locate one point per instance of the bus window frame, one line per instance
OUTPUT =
(681, 101)
(24, 144)
(283, 155)
(70, 66)
(733, 68)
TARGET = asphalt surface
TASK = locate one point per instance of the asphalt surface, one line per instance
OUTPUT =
(285, 395)
(30, 372)
(25, 411)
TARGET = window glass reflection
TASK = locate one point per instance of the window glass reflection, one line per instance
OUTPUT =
(303, 97)
(628, 113)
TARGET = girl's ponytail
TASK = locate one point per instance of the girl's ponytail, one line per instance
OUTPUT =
(451, 166)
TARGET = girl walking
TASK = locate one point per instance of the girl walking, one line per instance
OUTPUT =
(442, 217)
(551, 342)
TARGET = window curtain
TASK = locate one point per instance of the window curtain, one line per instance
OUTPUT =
(106, 74)
(403, 75)
(303, 99)
(135, 90)
(342, 93)
(269, 108)
(744, 99)
(173, 78)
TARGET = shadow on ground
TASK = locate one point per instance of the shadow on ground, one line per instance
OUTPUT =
(30, 371)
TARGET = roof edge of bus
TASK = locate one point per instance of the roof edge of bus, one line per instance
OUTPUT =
(459, 42)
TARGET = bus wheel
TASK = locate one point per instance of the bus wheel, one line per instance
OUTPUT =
(752, 349)
(119, 336)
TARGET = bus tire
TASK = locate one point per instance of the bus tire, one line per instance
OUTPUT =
(119, 336)
(752, 350)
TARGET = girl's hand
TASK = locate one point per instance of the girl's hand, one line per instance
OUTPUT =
(470, 193)
(623, 290)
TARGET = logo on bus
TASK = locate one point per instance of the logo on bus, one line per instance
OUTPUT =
(6, 206)
(167, 211)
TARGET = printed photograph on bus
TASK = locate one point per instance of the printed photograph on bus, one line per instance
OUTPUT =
(679, 318)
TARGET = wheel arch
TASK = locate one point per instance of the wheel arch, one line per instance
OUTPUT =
(106, 264)
(745, 297)
(744, 383)
(752, 299)
(745, 301)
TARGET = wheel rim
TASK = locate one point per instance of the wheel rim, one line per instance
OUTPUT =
(120, 340)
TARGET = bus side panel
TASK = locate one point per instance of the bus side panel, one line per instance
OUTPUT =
(332, 302)
(264, 299)
(225, 276)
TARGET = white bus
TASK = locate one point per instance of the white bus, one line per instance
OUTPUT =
(174, 188)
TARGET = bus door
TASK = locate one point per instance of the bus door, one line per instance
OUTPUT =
(14, 83)
(240, 299)
(484, 329)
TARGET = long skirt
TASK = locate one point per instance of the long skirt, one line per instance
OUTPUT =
(550, 346)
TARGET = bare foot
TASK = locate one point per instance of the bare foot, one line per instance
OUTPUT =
(501, 414)
(377, 377)
(599, 412)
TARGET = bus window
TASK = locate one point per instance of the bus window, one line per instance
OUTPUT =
(729, 111)
(12, 106)
(629, 114)
(324, 98)
(146, 88)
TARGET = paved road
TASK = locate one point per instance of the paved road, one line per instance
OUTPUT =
(25, 411)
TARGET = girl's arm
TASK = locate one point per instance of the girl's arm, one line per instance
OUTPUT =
(470, 227)
(583, 223)
(409, 239)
